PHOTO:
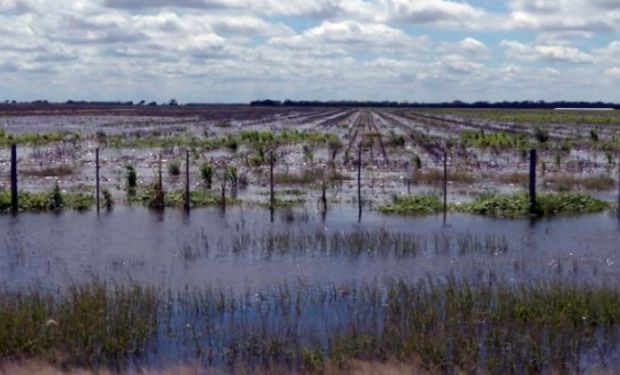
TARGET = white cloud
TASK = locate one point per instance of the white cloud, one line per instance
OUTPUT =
(589, 16)
(352, 35)
(442, 12)
(550, 53)
(613, 72)
(236, 50)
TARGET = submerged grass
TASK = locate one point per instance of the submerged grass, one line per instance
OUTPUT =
(198, 198)
(380, 242)
(450, 326)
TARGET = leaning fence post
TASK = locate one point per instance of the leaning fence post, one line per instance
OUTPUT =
(359, 182)
(187, 197)
(97, 189)
(14, 199)
(533, 201)
(445, 187)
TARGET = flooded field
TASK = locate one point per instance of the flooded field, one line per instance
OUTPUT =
(241, 249)
(312, 282)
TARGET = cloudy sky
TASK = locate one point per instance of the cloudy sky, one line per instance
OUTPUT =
(240, 50)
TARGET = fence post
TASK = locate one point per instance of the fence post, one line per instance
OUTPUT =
(445, 187)
(97, 189)
(533, 201)
(272, 196)
(359, 182)
(14, 198)
(187, 197)
(618, 184)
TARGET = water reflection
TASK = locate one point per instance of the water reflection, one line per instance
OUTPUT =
(174, 248)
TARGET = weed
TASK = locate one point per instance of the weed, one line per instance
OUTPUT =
(206, 173)
(131, 177)
(108, 200)
(174, 167)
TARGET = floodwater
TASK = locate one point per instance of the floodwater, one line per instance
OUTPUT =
(174, 249)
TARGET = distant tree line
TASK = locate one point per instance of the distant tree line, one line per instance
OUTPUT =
(172, 103)
(525, 104)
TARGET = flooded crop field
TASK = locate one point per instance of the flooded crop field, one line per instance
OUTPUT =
(311, 237)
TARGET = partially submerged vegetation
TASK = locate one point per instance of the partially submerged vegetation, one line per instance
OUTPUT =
(412, 205)
(518, 205)
(152, 197)
(503, 205)
(449, 326)
(54, 200)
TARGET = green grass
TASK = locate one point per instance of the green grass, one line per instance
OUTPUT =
(44, 201)
(252, 139)
(506, 206)
(495, 140)
(539, 116)
(518, 205)
(413, 205)
(7, 139)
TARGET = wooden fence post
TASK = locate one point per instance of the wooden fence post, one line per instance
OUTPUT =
(359, 182)
(187, 203)
(533, 200)
(97, 188)
(272, 196)
(618, 184)
(14, 198)
(445, 187)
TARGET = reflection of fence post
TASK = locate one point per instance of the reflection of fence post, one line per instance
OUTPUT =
(272, 196)
(14, 201)
(223, 200)
(159, 167)
(359, 182)
(324, 196)
(97, 178)
(533, 201)
(445, 187)
(187, 192)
